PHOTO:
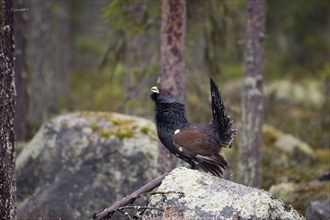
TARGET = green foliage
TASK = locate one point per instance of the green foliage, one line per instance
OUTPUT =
(133, 48)
(132, 16)
(216, 27)
(88, 45)
(297, 42)
(325, 72)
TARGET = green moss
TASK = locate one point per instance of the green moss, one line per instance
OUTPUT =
(116, 121)
(120, 122)
(106, 133)
(144, 130)
(124, 133)
(95, 127)
(323, 155)
(121, 133)
(135, 127)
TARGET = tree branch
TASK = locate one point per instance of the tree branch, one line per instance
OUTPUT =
(130, 198)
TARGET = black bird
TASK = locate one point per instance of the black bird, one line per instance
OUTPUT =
(197, 144)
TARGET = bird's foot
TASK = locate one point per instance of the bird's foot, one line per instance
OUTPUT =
(194, 166)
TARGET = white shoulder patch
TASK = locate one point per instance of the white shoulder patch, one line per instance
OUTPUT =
(176, 131)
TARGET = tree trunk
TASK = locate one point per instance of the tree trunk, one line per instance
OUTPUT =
(48, 59)
(63, 47)
(252, 118)
(42, 95)
(172, 46)
(7, 112)
(20, 70)
(173, 29)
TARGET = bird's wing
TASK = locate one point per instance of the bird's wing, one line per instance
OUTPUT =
(196, 144)
(221, 121)
(192, 141)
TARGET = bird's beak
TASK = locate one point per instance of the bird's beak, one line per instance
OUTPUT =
(154, 89)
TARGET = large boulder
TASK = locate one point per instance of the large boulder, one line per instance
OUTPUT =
(302, 93)
(318, 210)
(79, 163)
(190, 194)
(294, 92)
(294, 158)
(301, 194)
(287, 144)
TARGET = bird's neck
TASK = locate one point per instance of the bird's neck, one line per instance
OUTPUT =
(170, 116)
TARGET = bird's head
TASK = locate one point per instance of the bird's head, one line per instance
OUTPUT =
(162, 96)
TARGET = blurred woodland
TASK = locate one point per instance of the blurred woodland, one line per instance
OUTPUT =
(105, 56)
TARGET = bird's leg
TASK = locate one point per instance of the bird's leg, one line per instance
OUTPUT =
(194, 166)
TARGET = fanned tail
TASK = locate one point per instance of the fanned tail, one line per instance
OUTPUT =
(214, 164)
(221, 121)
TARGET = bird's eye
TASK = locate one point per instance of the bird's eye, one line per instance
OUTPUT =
(164, 91)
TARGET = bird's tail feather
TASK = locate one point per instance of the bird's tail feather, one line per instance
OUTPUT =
(221, 121)
(214, 164)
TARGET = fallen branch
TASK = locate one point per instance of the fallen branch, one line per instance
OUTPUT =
(181, 194)
(121, 209)
(130, 198)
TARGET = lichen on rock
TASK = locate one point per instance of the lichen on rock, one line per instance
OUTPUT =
(209, 197)
(71, 169)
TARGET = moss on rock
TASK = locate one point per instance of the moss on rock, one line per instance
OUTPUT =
(88, 159)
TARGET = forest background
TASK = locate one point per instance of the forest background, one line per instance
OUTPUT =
(105, 56)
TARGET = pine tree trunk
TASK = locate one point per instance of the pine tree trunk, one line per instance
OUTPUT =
(252, 117)
(172, 46)
(20, 70)
(173, 29)
(42, 95)
(7, 112)
(49, 58)
(63, 47)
